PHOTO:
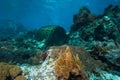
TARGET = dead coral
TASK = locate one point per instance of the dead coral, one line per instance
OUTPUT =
(68, 64)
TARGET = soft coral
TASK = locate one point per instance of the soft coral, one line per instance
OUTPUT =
(68, 64)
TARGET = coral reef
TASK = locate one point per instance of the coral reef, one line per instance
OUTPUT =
(101, 29)
(9, 72)
(89, 64)
(24, 48)
(68, 64)
(20, 78)
(20, 51)
(45, 71)
(83, 17)
(92, 50)
(10, 29)
(104, 75)
(37, 59)
(105, 32)
(91, 68)
(112, 11)
(108, 53)
(14, 71)
(53, 35)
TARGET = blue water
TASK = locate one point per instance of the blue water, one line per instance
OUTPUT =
(37, 13)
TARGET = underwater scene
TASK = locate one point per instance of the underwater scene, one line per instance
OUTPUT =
(59, 39)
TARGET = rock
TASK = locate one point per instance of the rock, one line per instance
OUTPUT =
(53, 35)
(113, 56)
(9, 29)
(103, 75)
(108, 52)
(20, 51)
(101, 28)
(83, 17)
(46, 71)
(112, 11)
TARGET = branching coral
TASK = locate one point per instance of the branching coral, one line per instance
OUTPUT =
(68, 64)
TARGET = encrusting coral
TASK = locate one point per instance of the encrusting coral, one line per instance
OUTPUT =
(68, 64)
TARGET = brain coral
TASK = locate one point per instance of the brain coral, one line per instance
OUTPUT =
(9, 72)
(20, 78)
(14, 71)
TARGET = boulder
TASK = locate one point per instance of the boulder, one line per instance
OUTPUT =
(53, 35)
